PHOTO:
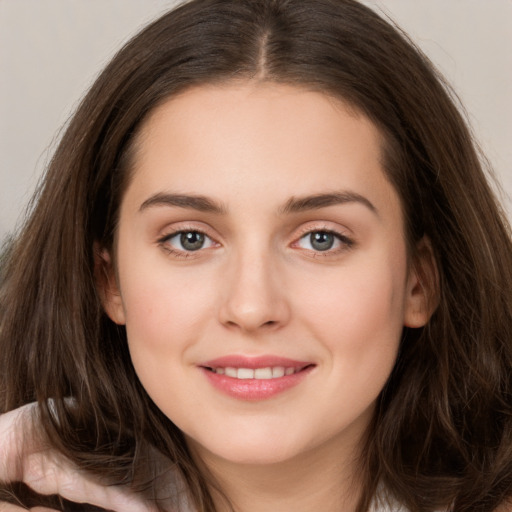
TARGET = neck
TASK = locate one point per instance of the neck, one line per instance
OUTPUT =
(327, 478)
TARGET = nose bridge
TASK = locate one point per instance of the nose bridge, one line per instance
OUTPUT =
(254, 296)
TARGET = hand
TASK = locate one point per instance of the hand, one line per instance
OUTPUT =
(47, 472)
(6, 507)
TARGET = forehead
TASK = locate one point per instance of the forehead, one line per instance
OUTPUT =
(264, 138)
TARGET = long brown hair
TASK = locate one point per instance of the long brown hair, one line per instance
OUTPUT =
(442, 433)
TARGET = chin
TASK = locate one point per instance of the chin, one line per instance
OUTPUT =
(248, 451)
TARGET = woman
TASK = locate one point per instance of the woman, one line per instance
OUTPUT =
(266, 271)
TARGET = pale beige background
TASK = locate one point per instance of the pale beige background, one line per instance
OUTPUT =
(51, 50)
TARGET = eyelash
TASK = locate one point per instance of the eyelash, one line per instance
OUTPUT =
(345, 242)
(178, 253)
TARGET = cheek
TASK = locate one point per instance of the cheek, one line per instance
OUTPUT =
(358, 312)
(162, 323)
(166, 312)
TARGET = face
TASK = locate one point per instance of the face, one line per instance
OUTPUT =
(261, 270)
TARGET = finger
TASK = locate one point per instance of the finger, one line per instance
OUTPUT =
(49, 473)
(7, 507)
(13, 426)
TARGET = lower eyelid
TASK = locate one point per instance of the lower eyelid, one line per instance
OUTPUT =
(164, 241)
(343, 241)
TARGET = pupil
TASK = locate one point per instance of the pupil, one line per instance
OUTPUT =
(322, 241)
(192, 241)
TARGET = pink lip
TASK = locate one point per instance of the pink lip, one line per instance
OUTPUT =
(254, 389)
(239, 361)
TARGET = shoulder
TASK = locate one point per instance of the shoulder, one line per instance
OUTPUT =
(386, 505)
(383, 502)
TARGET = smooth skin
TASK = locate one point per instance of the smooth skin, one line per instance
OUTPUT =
(217, 254)
(259, 221)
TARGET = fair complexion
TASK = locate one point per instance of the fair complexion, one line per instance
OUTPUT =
(295, 251)
(259, 231)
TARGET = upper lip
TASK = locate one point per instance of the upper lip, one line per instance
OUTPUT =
(254, 362)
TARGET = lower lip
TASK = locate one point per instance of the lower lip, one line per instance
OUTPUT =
(255, 389)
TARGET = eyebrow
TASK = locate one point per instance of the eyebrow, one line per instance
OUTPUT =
(293, 205)
(317, 201)
(193, 202)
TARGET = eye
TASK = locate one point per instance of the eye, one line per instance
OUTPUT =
(188, 241)
(322, 241)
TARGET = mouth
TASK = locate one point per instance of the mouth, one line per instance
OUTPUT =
(253, 379)
(266, 373)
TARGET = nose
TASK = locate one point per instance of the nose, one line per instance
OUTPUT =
(254, 296)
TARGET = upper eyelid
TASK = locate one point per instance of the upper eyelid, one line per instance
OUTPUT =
(184, 227)
(303, 230)
(342, 233)
(327, 226)
(173, 234)
(164, 240)
(164, 243)
(341, 237)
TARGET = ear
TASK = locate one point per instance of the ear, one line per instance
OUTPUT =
(422, 286)
(106, 285)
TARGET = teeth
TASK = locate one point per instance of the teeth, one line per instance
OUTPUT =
(263, 373)
(230, 372)
(259, 373)
(277, 372)
(245, 373)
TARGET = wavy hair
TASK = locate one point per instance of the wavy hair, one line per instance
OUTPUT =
(442, 431)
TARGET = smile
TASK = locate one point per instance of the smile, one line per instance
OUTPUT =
(255, 378)
(275, 372)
